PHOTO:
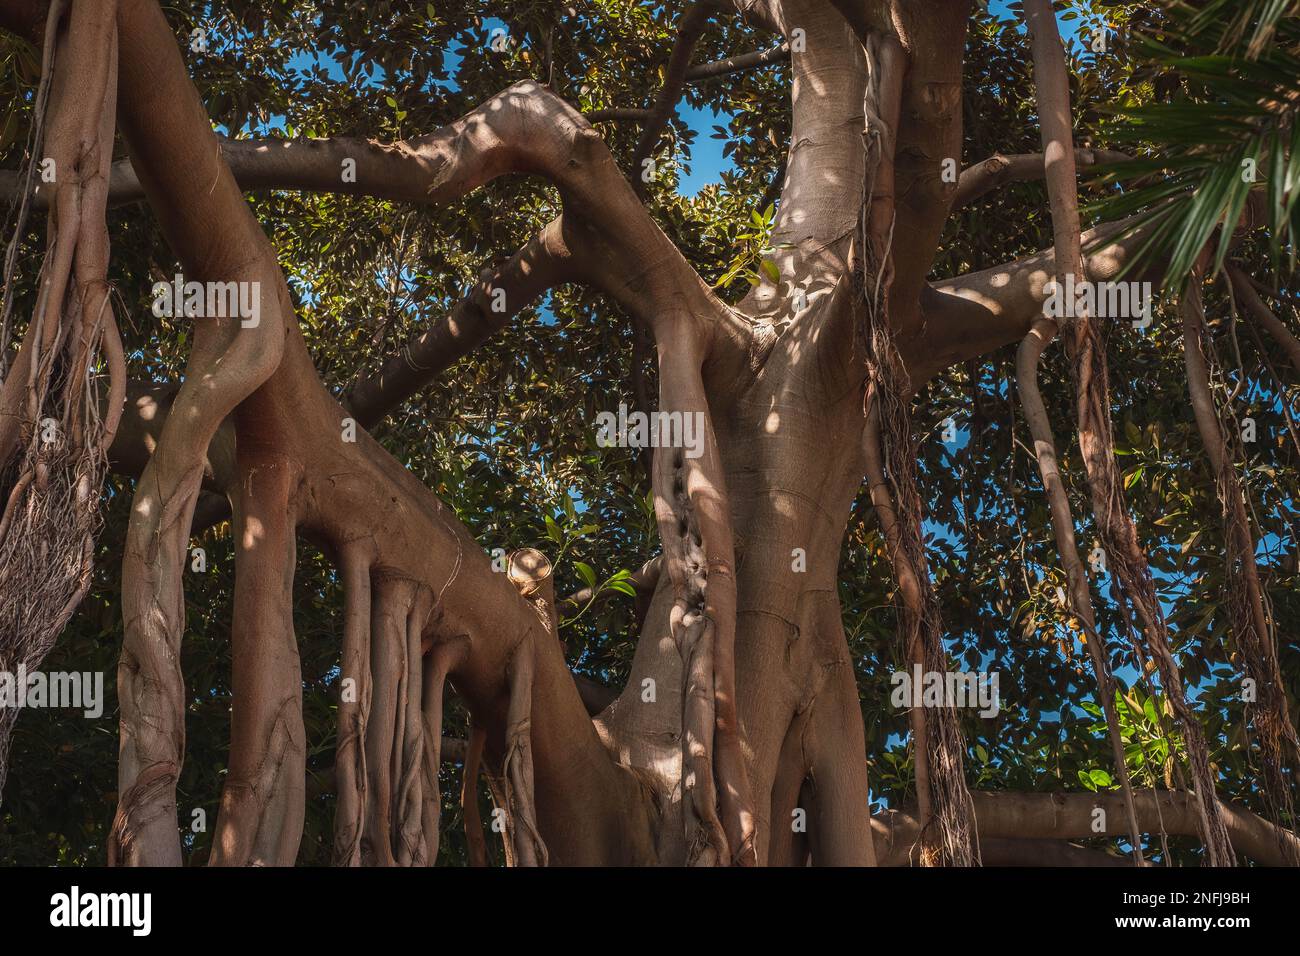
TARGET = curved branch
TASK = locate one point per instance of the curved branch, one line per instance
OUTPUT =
(998, 170)
(973, 314)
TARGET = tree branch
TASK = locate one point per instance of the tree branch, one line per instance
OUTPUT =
(498, 296)
(1007, 815)
(996, 171)
(689, 32)
(933, 35)
(975, 313)
(736, 64)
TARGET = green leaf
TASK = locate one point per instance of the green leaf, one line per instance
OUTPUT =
(586, 572)
(771, 271)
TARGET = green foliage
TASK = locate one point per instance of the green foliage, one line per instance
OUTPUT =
(1228, 122)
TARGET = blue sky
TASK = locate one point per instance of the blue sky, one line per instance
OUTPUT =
(707, 160)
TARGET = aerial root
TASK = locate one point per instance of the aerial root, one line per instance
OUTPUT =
(390, 720)
(436, 665)
(1251, 621)
(1128, 563)
(1078, 595)
(693, 634)
(475, 843)
(387, 663)
(948, 834)
(354, 708)
(153, 785)
(393, 828)
(53, 440)
(412, 840)
(517, 767)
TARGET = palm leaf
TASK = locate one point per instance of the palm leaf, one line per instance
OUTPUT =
(1234, 127)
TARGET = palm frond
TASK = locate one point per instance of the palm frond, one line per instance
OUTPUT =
(1230, 136)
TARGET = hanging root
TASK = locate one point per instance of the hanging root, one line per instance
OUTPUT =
(530, 573)
(412, 840)
(948, 825)
(436, 665)
(1086, 349)
(475, 843)
(1127, 561)
(695, 524)
(517, 767)
(227, 364)
(1080, 599)
(512, 788)
(263, 799)
(692, 632)
(53, 440)
(390, 719)
(35, 143)
(391, 756)
(948, 830)
(1059, 172)
(1252, 626)
(354, 707)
